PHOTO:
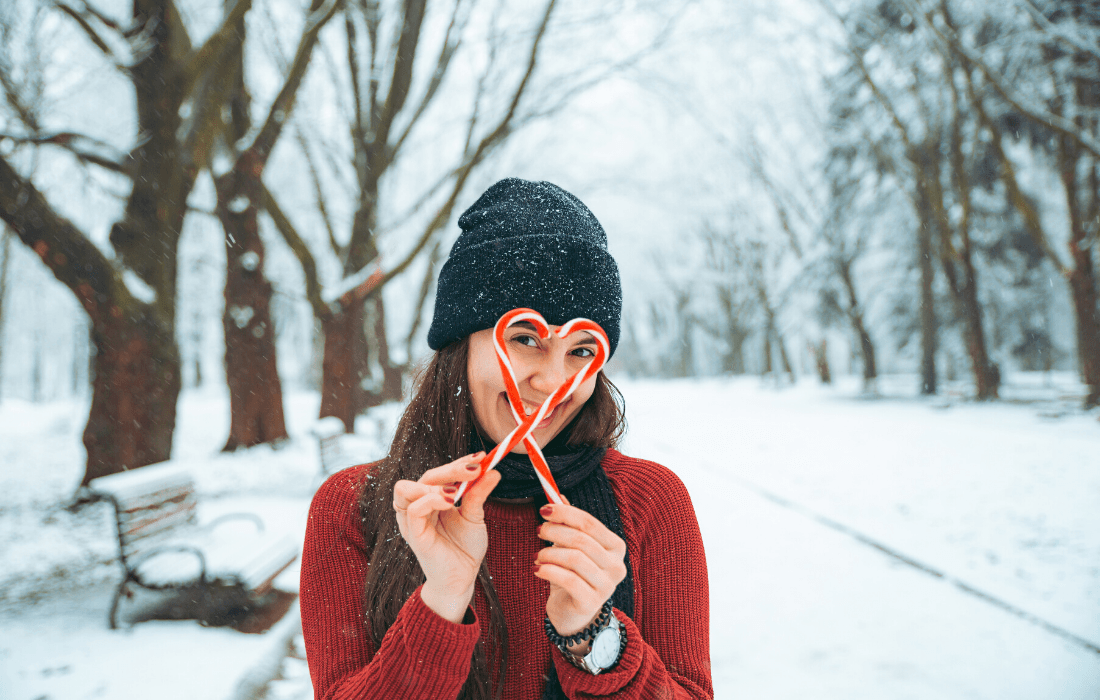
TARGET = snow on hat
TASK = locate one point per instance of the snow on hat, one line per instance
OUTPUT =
(526, 244)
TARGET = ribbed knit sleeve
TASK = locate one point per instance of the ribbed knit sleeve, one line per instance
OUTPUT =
(668, 641)
(422, 655)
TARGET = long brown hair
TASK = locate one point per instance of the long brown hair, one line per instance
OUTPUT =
(436, 428)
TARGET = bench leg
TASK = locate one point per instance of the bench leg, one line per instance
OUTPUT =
(112, 616)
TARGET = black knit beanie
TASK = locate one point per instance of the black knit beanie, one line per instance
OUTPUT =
(526, 244)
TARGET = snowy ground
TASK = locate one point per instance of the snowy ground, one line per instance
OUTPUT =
(858, 548)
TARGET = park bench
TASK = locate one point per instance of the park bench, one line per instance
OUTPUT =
(220, 572)
(339, 450)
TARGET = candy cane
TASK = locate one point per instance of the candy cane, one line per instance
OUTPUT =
(526, 424)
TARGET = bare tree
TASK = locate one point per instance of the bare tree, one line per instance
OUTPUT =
(932, 125)
(385, 114)
(1054, 87)
(255, 391)
(130, 298)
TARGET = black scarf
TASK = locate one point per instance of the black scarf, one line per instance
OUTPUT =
(582, 480)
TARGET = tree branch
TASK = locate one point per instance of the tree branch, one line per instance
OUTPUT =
(1060, 125)
(71, 257)
(284, 101)
(446, 52)
(69, 141)
(88, 29)
(210, 52)
(319, 193)
(301, 251)
(443, 214)
(402, 72)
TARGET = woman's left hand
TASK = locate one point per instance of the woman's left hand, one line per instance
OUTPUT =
(583, 567)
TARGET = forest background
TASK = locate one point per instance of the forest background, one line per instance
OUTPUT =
(257, 194)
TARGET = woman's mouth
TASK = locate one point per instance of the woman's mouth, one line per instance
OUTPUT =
(530, 408)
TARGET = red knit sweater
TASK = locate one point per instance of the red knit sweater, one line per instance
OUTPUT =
(426, 656)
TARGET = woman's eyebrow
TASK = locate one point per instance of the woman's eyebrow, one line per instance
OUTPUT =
(525, 324)
(585, 339)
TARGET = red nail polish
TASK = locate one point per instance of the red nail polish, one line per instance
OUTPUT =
(449, 489)
(537, 567)
(448, 499)
(547, 510)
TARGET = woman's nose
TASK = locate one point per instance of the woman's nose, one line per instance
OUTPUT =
(548, 374)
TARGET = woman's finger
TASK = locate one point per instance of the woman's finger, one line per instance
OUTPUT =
(583, 521)
(473, 501)
(577, 588)
(405, 492)
(421, 508)
(572, 538)
(580, 564)
(462, 469)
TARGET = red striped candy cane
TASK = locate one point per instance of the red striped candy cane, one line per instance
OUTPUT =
(525, 424)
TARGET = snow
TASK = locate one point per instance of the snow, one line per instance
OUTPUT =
(989, 585)
(239, 204)
(138, 288)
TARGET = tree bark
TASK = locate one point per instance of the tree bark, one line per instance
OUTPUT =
(134, 392)
(1082, 278)
(255, 391)
(855, 318)
(927, 298)
(341, 369)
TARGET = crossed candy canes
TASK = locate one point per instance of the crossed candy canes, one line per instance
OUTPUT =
(526, 423)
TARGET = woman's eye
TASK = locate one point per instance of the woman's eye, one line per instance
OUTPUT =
(525, 340)
(584, 352)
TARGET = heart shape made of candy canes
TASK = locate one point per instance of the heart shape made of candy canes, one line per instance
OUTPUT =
(525, 423)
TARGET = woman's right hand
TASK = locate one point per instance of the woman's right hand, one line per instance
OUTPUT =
(448, 541)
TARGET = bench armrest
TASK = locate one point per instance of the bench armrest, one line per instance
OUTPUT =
(136, 562)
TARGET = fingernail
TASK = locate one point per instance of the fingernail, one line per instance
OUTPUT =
(448, 499)
(450, 489)
(547, 510)
(537, 567)
(473, 467)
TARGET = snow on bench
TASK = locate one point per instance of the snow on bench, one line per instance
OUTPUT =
(163, 547)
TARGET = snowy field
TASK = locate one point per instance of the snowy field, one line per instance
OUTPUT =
(882, 548)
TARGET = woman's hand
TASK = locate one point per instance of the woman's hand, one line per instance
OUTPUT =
(583, 567)
(448, 541)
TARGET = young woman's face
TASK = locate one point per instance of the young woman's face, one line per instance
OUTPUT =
(540, 367)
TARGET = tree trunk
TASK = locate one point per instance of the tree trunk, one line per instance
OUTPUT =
(927, 297)
(767, 368)
(255, 391)
(783, 355)
(986, 373)
(855, 317)
(821, 361)
(5, 265)
(1082, 278)
(378, 349)
(134, 393)
(344, 359)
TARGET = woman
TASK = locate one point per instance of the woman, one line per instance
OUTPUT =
(406, 594)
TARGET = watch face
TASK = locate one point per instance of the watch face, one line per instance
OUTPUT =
(605, 648)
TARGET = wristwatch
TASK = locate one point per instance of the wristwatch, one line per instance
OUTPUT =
(607, 646)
